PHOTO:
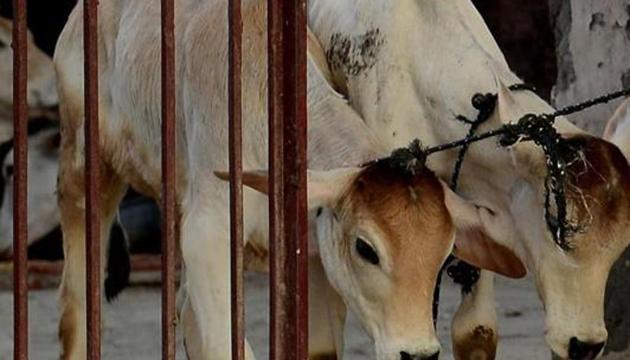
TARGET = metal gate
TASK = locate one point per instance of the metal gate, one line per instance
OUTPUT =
(287, 180)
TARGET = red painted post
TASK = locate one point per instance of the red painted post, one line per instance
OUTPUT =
(92, 181)
(287, 158)
(20, 239)
(236, 179)
(169, 213)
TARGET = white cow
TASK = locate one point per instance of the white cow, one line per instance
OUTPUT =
(380, 233)
(43, 164)
(42, 90)
(409, 67)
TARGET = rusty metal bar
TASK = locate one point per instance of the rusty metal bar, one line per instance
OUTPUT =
(92, 180)
(287, 158)
(236, 179)
(169, 213)
(20, 239)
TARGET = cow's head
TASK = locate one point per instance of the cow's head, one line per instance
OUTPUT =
(383, 235)
(571, 279)
(43, 163)
(42, 87)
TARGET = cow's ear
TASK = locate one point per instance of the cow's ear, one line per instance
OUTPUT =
(472, 242)
(618, 128)
(508, 108)
(324, 188)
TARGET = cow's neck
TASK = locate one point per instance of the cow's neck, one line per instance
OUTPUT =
(429, 59)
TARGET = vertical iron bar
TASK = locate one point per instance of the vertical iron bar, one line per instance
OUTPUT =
(236, 180)
(20, 261)
(169, 186)
(92, 180)
(287, 158)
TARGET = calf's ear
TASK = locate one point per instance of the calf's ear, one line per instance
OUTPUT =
(324, 188)
(618, 128)
(472, 243)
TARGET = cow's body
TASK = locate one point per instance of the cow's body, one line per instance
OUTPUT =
(357, 239)
(41, 85)
(430, 58)
(378, 53)
(43, 214)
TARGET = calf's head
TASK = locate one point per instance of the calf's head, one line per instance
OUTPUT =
(42, 87)
(571, 278)
(383, 234)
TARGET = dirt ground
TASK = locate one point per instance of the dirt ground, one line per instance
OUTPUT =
(132, 329)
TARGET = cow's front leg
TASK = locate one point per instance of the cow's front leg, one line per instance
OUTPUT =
(72, 291)
(206, 310)
(474, 328)
(327, 315)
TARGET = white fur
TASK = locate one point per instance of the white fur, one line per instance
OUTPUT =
(618, 128)
(43, 214)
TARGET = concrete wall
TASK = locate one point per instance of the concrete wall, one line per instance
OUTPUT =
(593, 47)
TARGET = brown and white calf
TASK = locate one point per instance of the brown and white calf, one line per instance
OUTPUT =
(379, 235)
(42, 88)
(409, 67)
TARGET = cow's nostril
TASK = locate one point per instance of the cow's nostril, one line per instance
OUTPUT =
(405, 356)
(579, 350)
(435, 356)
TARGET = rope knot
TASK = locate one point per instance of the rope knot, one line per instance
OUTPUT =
(411, 159)
(463, 274)
(483, 102)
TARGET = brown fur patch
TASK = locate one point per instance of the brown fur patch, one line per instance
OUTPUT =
(408, 209)
(599, 186)
(480, 344)
(410, 214)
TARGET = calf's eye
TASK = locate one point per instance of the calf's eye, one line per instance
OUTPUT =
(366, 251)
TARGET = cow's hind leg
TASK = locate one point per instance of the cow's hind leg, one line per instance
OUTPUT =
(327, 315)
(474, 327)
(71, 203)
(206, 309)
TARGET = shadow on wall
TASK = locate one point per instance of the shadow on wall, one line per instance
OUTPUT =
(524, 33)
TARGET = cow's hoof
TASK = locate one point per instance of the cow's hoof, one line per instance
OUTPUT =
(480, 344)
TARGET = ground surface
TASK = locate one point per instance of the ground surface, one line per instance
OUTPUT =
(132, 323)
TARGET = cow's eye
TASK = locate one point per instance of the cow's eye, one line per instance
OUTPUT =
(366, 251)
(2, 44)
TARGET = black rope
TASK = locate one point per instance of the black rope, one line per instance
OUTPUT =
(463, 273)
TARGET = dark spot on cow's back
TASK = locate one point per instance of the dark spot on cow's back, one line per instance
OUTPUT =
(353, 55)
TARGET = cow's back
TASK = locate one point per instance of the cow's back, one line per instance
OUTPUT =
(130, 86)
